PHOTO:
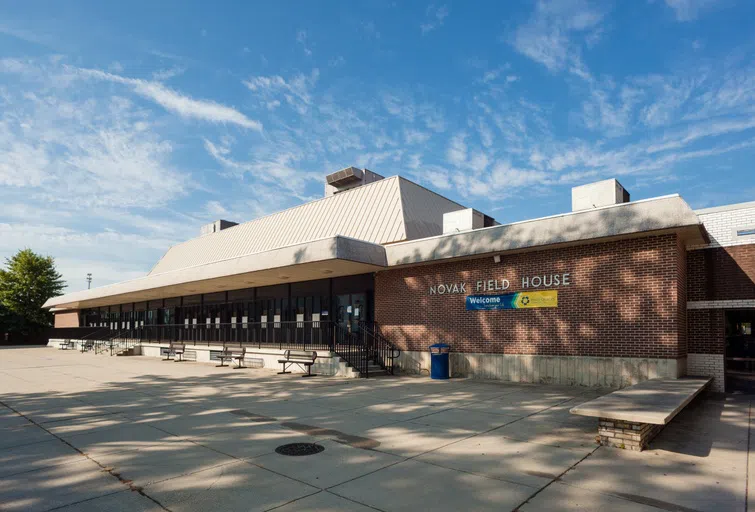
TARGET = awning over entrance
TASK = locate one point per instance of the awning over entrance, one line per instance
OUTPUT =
(329, 257)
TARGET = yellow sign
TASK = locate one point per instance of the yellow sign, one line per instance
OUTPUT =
(540, 299)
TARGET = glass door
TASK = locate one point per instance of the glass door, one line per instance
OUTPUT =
(740, 351)
(350, 310)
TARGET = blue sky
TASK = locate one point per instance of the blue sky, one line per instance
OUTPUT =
(126, 126)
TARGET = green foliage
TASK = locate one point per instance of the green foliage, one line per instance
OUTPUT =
(26, 283)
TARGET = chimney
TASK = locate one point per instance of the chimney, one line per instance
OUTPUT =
(595, 195)
(214, 227)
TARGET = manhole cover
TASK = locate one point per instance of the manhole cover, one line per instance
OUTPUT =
(299, 449)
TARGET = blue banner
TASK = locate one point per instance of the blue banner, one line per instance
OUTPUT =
(515, 300)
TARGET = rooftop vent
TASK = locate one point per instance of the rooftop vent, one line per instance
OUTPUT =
(345, 177)
(348, 178)
(595, 195)
(214, 227)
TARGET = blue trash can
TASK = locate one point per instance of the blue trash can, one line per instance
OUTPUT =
(439, 361)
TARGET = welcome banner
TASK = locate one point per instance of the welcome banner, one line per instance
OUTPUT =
(517, 300)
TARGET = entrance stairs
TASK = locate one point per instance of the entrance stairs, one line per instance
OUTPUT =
(375, 370)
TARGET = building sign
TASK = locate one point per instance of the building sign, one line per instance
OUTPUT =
(495, 285)
(447, 289)
(517, 300)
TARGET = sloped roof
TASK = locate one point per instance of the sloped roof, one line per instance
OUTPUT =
(386, 211)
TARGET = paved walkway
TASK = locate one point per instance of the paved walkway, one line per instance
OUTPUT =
(92, 432)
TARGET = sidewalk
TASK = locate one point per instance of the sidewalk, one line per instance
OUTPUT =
(94, 432)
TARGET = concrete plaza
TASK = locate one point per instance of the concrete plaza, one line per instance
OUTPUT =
(92, 432)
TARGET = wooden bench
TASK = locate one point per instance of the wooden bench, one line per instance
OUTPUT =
(303, 358)
(66, 344)
(238, 354)
(177, 350)
(631, 417)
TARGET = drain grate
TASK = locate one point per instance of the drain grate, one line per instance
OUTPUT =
(299, 449)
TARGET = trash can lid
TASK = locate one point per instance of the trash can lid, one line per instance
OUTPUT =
(440, 345)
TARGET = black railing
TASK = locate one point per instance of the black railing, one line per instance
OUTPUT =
(121, 342)
(350, 347)
(381, 351)
(355, 348)
(281, 335)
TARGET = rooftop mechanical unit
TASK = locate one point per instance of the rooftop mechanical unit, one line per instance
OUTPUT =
(598, 194)
(349, 178)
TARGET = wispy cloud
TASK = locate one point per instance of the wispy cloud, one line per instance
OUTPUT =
(552, 35)
(434, 18)
(95, 158)
(164, 74)
(688, 10)
(176, 102)
(412, 136)
(277, 171)
(302, 39)
(456, 154)
(78, 156)
(612, 116)
(408, 110)
(295, 91)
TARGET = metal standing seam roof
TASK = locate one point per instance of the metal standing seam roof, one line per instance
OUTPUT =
(383, 212)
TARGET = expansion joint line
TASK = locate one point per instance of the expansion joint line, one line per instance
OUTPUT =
(109, 470)
(558, 478)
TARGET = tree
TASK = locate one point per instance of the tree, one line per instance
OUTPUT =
(27, 282)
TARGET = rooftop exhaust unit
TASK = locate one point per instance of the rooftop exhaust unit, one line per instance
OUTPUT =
(600, 193)
(345, 177)
(214, 227)
(348, 178)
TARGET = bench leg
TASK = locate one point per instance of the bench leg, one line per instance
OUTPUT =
(309, 372)
(222, 363)
(284, 369)
(240, 362)
(626, 434)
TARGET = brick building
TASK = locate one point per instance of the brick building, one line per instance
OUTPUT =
(608, 294)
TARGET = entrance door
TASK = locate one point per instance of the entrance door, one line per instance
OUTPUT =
(350, 310)
(740, 351)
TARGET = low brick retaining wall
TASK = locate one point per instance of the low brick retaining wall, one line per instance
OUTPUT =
(627, 435)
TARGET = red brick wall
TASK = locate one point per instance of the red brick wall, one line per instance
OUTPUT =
(723, 273)
(681, 304)
(623, 301)
(705, 329)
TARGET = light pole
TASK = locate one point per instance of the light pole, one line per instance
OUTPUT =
(89, 280)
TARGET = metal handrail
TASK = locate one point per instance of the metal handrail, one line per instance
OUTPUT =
(352, 349)
(380, 350)
(97, 332)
